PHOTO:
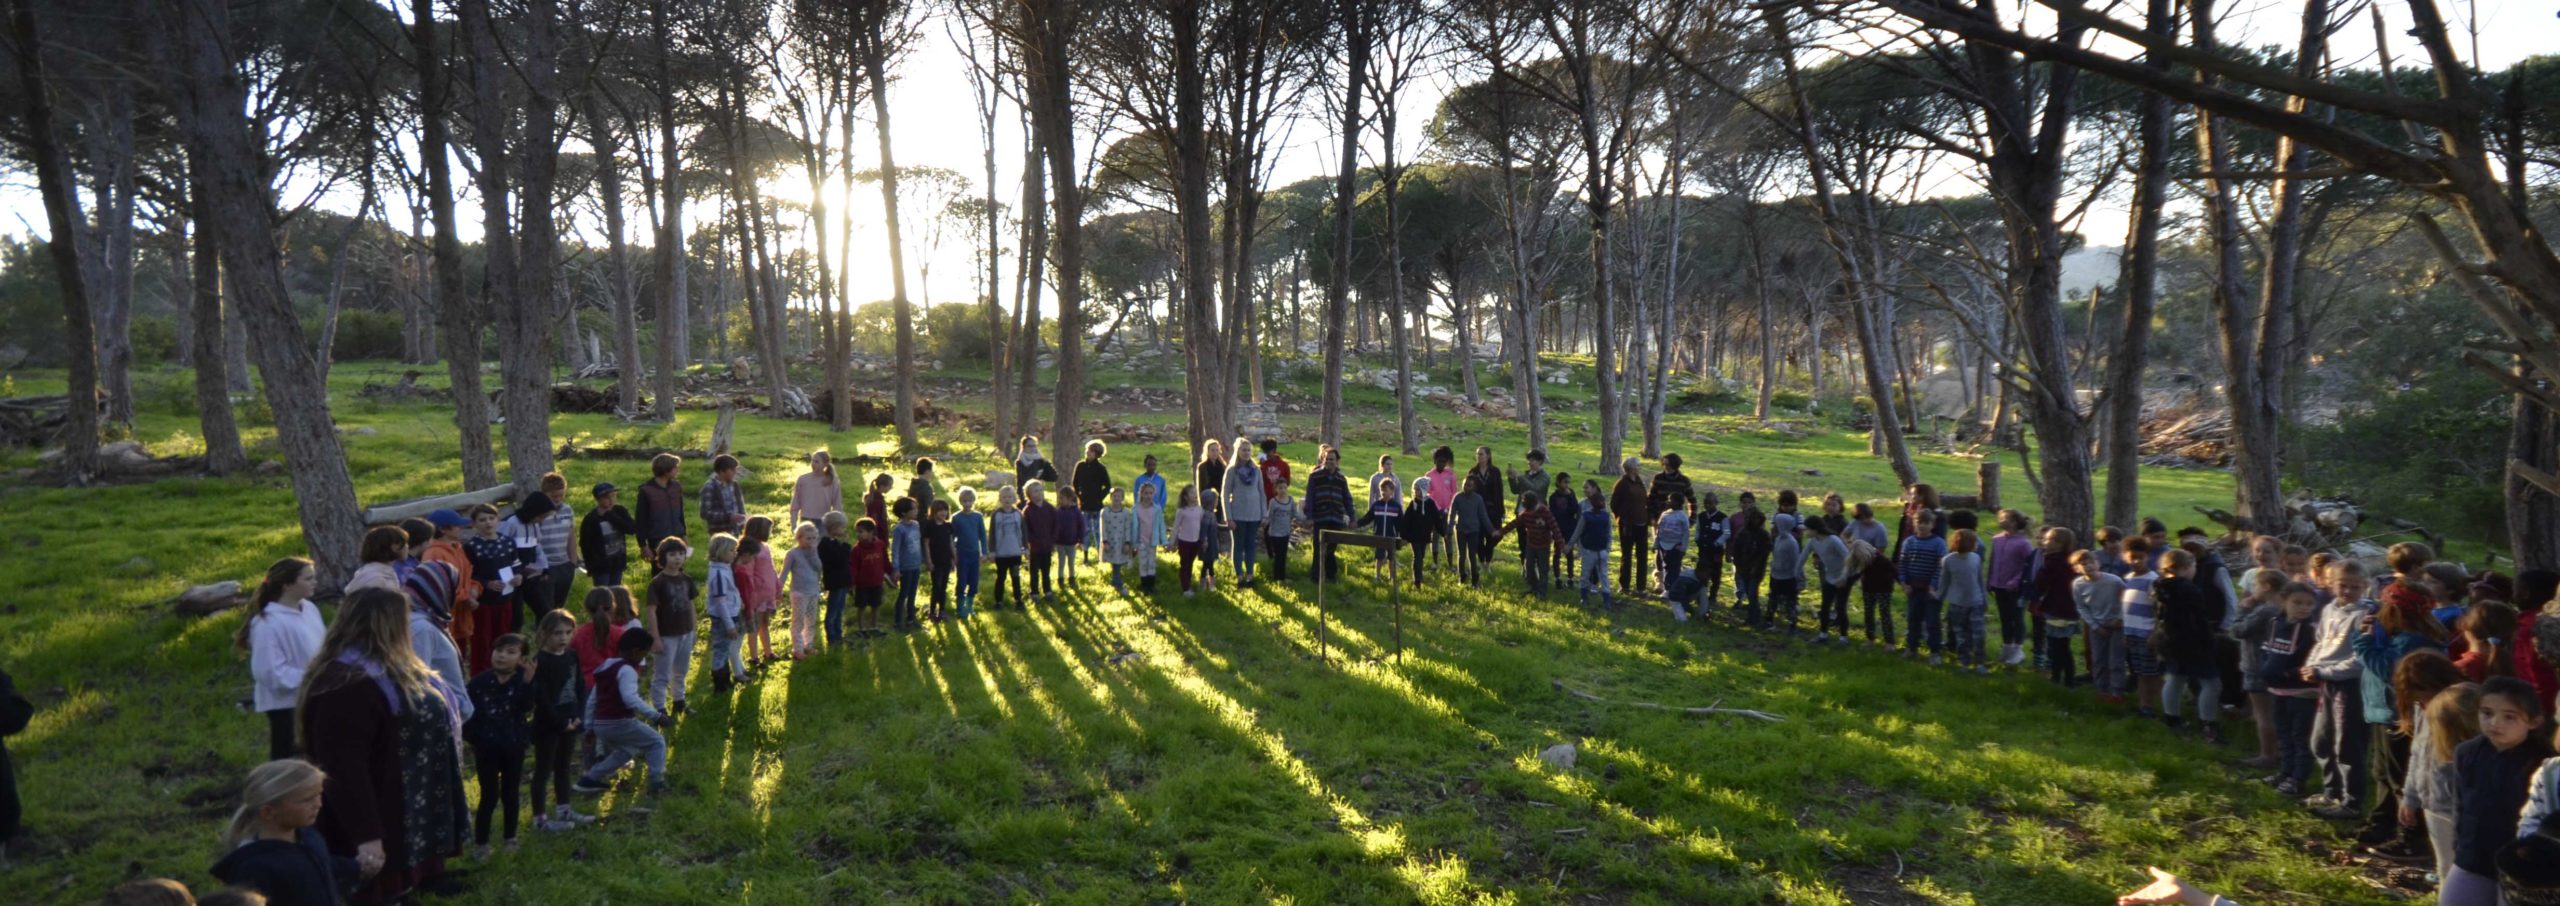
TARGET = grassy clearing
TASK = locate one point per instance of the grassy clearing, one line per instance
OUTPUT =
(1010, 759)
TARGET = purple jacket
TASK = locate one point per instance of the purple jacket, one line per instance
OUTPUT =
(1040, 527)
(2011, 556)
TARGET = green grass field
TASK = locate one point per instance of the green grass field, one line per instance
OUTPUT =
(1014, 758)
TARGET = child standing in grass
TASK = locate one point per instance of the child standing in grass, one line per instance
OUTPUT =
(1671, 539)
(724, 504)
(499, 733)
(1039, 536)
(2141, 616)
(1591, 538)
(1190, 524)
(2098, 597)
(1565, 510)
(2011, 561)
(1213, 532)
(2057, 616)
(1786, 562)
(1536, 526)
(939, 551)
(2281, 658)
(1069, 525)
(875, 502)
(906, 555)
(835, 562)
(1148, 523)
(1922, 556)
(725, 604)
(1278, 521)
(1417, 522)
(870, 575)
(761, 585)
(1749, 550)
(1004, 543)
(1830, 558)
(623, 720)
(1119, 526)
(2494, 773)
(2261, 607)
(670, 618)
(282, 632)
(808, 585)
(2430, 794)
(2188, 617)
(1474, 525)
(661, 511)
(1875, 581)
(559, 697)
(968, 546)
(1708, 527)
(1959, 588)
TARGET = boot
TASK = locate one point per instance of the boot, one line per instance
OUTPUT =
(720, 681)
(2213, 733)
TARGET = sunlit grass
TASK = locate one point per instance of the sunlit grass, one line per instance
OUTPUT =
(1018, 757)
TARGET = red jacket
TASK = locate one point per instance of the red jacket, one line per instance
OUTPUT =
(871, 564)
(1275, 476)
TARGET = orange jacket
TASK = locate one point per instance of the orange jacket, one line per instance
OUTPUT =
(466, 592)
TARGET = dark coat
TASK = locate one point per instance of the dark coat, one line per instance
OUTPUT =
(15, 712)
(300, 873)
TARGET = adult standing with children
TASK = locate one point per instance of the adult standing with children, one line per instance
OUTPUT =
(1627, 504)
(1247, 507)
(1092, 484)
(1670, 491)
(1328, 508)
(385, 731)
(816, 492)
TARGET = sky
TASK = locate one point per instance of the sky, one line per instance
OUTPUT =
(931, 107)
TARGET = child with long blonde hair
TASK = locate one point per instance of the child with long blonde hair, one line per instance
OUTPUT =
(808, 579)
(271, 846)
(2430, 793)
(722, 602)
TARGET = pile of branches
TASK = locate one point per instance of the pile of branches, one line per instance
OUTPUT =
(580, 398)
(872, 410)
(2187, 438)
(33, 421)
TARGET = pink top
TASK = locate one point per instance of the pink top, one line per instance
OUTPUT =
(763, 584)
(814, 496)
(1187, 523)
(1444, 486)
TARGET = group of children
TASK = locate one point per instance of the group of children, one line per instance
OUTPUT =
(2160, 620)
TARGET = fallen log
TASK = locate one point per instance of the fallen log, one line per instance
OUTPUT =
(394, 513)
(1713, 709)
(568, 451)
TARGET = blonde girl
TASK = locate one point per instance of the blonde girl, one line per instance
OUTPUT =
(761, 585)
(270, 845)
(2429, 793)
(282, 632)
(808, 578)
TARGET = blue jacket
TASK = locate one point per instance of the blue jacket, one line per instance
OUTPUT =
(2380, 653)
(1591, 532)
(969, 535)
(906, 547)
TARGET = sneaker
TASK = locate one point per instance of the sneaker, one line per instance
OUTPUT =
(2013, 655)
(2286, 786)
(480, 853)
(1821, 638)
(548, 824)
(583, 786)
(679, 708)
(2319, 801)
(565, 813)
(1934, 660)
(513, 846)
(2340, 812)
(2399, 851)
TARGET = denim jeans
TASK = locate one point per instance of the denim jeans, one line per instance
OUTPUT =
(1595, 573)
(835, 615)
(966, 587)
(619, 742)
(1920, 621)
(2106, 661)
(672, 664)
(725, 641)
(2338, 740)
(1246, 534)
(1965, 628)
(2294, 714)
(908, 580)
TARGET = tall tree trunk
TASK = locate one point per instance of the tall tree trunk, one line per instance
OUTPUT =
(1026, 298)
(618, 280)
(2533, 514)
(239, 200)
(1580, 60)
(222, 452)
(521, 253)
(998, 342)
(1874, 343)
(2253, 342)
(62, 215)
(111, 153)
(875, 53)
(1204, 344)
(2138, 282)
(1337, 294)
(672, 289)
(1053, 117)
(457, 314)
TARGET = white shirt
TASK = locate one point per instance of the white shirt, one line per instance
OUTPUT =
(281, 644)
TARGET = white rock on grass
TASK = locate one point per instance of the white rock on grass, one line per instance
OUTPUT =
(1559, 756)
